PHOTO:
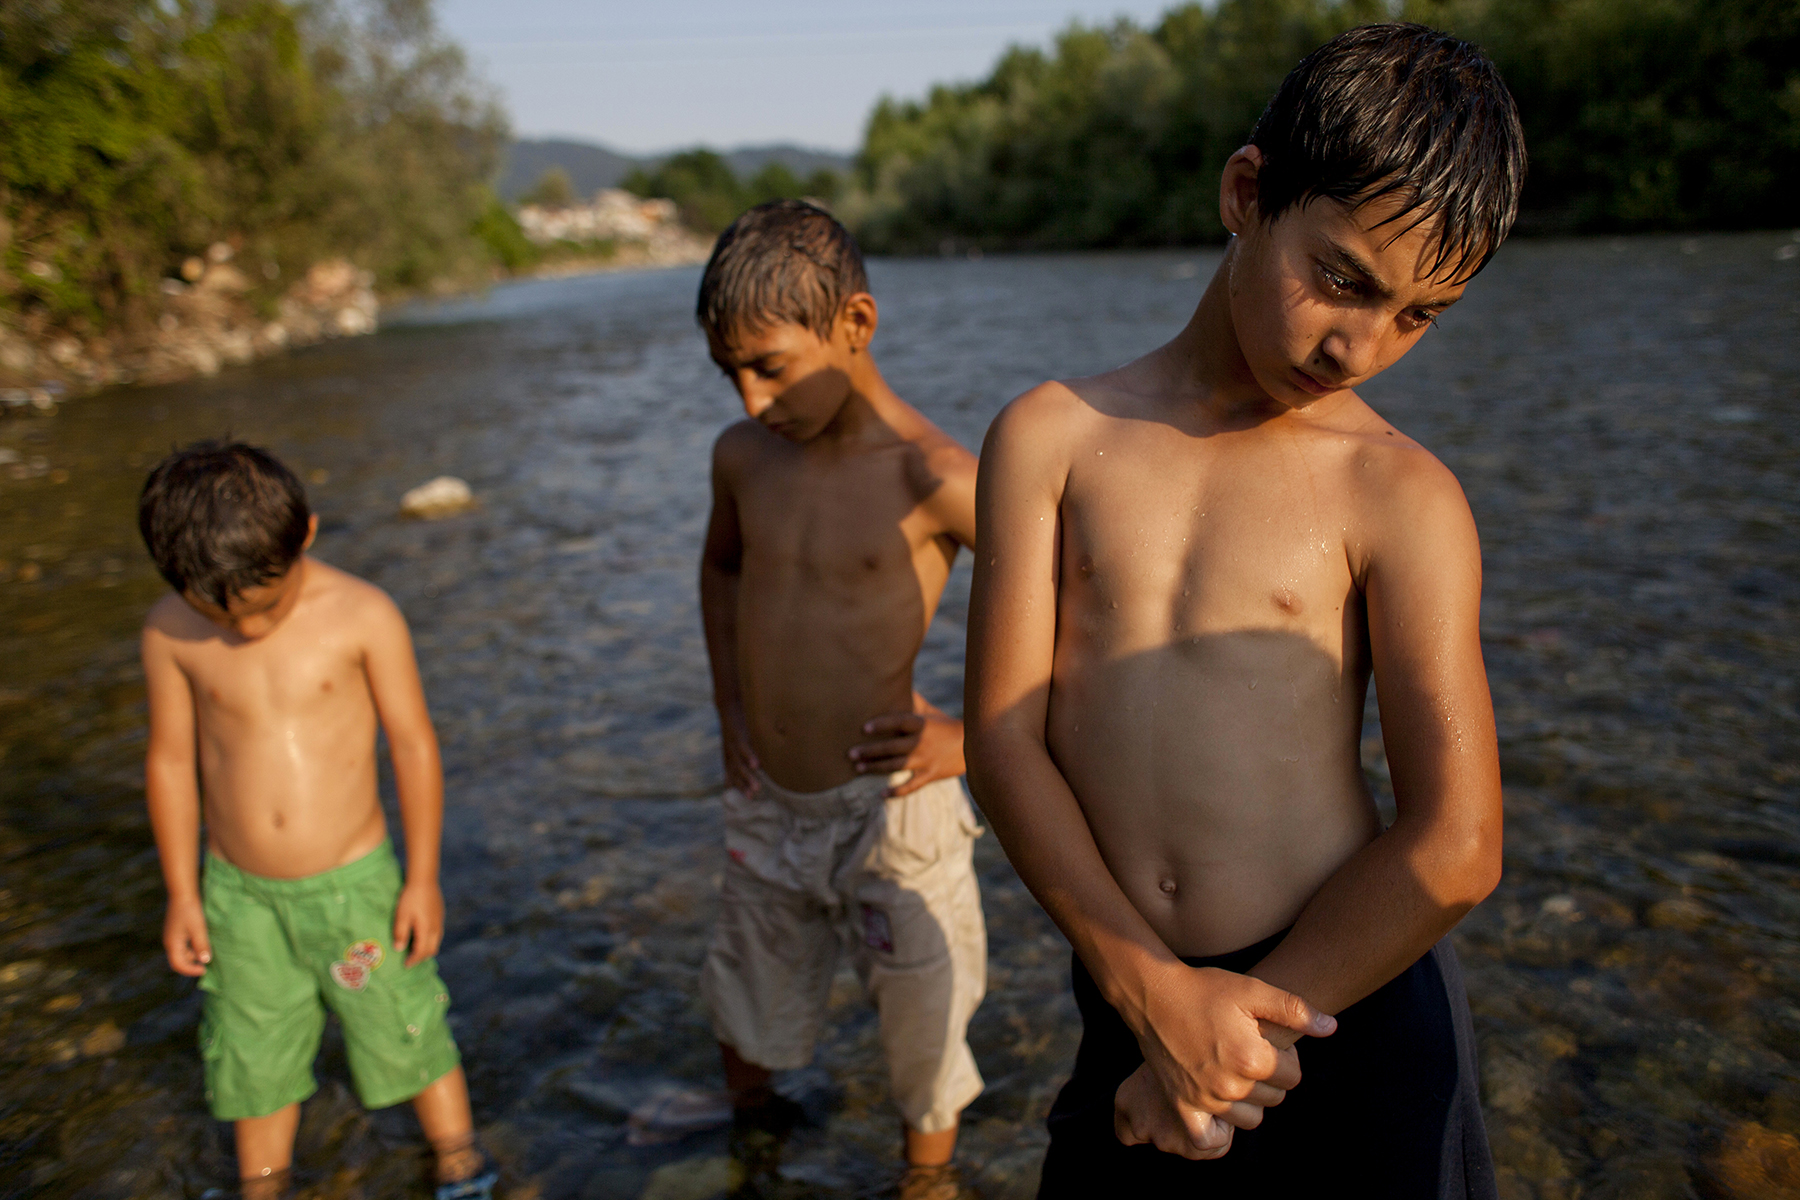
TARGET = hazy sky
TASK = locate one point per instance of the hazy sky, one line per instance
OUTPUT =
(665, 73)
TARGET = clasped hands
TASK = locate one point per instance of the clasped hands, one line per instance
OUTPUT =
(1217, 1053)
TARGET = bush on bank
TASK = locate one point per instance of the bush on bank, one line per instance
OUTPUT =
(136, 133)
(1639, 114)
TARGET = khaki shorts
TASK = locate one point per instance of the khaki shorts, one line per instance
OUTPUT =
(810, 875)
(285, 951)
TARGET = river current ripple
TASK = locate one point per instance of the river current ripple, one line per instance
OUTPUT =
(1625, 416)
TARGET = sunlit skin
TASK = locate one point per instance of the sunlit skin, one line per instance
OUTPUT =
(1190, 567)
(837, 512)
(275, 697)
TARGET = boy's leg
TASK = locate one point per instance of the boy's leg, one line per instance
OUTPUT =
(444, 1116)
(265, 1152)
(923, 958)
(747, 1082)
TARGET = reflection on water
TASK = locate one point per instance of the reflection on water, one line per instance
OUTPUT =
(1625, 417)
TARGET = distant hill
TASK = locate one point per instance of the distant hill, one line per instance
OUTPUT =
(593, 167)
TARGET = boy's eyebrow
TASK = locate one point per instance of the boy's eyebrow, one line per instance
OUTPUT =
(1346, 259)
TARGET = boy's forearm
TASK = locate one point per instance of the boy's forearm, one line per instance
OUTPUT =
(174, 807)
(1046, 836)
(718, 614)
(419, 780)
(1382, 910)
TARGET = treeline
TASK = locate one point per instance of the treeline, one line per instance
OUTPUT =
(1639, 114)
(136, 133)
(710, 195)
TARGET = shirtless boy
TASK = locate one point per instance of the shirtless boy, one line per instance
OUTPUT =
(269, 670)
(837, 511)
(1189, 568)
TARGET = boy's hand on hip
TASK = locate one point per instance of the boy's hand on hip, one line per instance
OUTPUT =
(929, 745)
(1142, 1115)
(184, 937)
(1204, 1045)
(419, 921)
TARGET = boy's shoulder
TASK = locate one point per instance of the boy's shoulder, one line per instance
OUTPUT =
(336, 594)
(1054, 412)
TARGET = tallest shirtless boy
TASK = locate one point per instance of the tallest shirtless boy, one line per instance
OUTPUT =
(1189, 567)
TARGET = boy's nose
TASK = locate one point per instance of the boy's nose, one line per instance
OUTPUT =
(1353, 351)
(756, 403)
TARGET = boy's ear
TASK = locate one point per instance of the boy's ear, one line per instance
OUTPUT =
(312, 531)
(1237, 189)
(857, 320)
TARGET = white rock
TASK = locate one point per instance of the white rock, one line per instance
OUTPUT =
(439, 497)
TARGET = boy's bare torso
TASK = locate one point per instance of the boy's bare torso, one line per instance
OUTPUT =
(284, 727)
(1212, 651)
(842, 567)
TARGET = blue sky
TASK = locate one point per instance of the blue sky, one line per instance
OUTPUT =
(657, 75)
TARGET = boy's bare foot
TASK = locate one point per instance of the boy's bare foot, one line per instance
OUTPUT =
(276, 1185)
(464, 1171)
(940, 1182)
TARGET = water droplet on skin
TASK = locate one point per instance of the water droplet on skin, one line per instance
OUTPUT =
(1253, 685)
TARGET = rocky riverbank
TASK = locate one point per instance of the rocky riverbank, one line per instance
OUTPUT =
(615, 231)
(212, 316)
(209, 319)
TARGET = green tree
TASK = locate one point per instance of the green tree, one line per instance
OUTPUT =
(700, 182)
(553, 189)
(1638, 114)
(133, 133)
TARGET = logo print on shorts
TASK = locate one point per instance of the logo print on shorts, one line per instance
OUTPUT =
(878, 934)
(352, 970)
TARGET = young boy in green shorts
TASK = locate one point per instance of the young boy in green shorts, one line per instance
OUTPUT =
(1190, 568)
(269, 671)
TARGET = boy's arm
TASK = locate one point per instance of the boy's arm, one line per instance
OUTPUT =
(1420, 573)
(952, 501)
(1198, 1028)
(399, 696)
(927, 741)
(172, 791)
(721, 563)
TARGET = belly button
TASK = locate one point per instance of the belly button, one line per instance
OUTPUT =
(1167, 886)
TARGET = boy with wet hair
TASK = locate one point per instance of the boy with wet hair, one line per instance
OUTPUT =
(1190, 566)
(270, 671)
(837, 512)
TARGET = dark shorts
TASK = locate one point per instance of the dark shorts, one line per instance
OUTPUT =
(1389, 1105)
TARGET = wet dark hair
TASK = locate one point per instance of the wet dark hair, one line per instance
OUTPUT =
(220, 517)
(1399, 110)
(784, 262)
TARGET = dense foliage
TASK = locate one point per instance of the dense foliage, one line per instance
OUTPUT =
(1638, 114)
(710, 194)
(134, 133)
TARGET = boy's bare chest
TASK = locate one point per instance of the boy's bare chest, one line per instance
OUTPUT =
(288, 676)
(848, 522)
(1183, 542)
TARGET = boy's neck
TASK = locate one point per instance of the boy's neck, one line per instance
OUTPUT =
(1206, 362)
(868, 413)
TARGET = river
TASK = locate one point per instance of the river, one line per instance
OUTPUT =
(1624, 414)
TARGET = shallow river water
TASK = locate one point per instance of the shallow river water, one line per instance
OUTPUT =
(1624, 415)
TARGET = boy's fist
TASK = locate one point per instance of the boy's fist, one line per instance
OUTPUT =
(930, 745)
(1142, 1114)
(419, 921)
(1205, 1047)
(184, 937)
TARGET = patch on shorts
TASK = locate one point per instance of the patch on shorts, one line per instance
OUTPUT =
(352, 970)
(877, 933)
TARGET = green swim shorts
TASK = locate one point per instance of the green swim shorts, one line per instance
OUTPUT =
(286, 950)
